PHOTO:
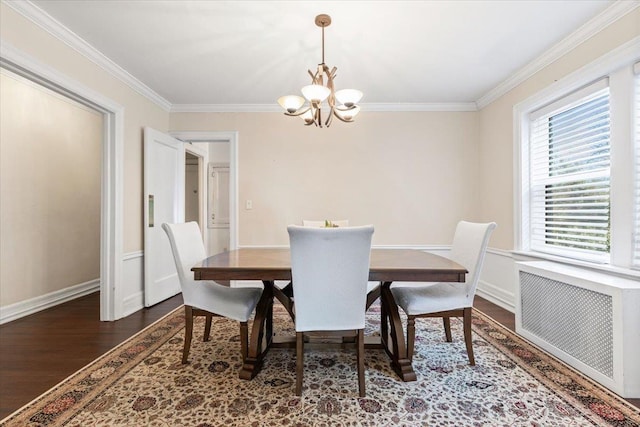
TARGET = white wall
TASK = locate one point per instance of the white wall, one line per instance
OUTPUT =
(49, 191)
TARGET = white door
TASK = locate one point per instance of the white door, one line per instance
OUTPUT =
(164, 183)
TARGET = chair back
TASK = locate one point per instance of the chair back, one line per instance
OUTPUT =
(330, 270)
(469, 246)
(336, 223)
(188, 250)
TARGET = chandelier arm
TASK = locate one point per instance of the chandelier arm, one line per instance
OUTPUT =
(298, 112)
(330, 118)
(341, 119)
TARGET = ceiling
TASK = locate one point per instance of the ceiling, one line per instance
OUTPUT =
(231, 54)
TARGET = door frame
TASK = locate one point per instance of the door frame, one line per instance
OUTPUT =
(230, 137)
(111, 216)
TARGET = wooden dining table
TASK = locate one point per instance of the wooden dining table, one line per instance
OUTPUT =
(274, 264)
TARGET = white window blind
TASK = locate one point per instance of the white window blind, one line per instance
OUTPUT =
(636, 245)
(569, 175)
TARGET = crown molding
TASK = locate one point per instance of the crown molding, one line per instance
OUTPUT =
(226, 108)
(71, 39)
(272, 108)
(431, 106)
(611, 14)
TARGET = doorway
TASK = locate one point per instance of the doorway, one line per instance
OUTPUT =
(191, 189)
(196, 160)
(111, 221)
(50, 196)
(222, 149)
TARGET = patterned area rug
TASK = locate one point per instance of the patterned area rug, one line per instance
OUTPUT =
(142, 383)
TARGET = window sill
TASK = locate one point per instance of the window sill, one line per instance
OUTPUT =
(605, 268)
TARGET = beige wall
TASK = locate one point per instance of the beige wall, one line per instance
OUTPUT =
(412, 175)
(496, 141)
(50, 149)
(139, 111)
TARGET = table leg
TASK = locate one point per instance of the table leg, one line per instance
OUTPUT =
(398, 353)
(263, 320)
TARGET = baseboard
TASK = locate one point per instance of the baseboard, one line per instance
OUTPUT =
(496, 295)
(24, 308)
(133, 282)
(132, 303)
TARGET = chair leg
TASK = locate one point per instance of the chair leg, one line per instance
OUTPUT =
(411, 336)
(360, 357)
(447, 328)
(467, 335)
(299, 361)
(188, 332)
(207, 327)
(244, 340)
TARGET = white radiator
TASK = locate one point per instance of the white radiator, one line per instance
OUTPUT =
(588, 319)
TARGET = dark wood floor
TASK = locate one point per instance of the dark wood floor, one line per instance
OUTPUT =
(39, 351)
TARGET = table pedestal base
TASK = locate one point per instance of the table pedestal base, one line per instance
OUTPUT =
(391, 327)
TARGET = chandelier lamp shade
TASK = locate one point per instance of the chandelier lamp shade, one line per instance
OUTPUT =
(321, 91)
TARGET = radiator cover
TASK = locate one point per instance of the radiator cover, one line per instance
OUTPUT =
(575, 320)
(588, 319)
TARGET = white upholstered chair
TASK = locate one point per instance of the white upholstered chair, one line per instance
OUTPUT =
(448, 300)
(205, 297)
(373, 288)
(286, 286)
(336, 223)
(330, 268)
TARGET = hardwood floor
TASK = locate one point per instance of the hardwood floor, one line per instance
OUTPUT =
(39, 351)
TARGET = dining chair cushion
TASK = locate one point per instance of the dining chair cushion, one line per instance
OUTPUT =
(330, 270)
(188, 249)
(430, 298)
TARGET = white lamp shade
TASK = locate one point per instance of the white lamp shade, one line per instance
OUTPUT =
(348, 97)
(316, 93)
(291, 103)
(348, 115)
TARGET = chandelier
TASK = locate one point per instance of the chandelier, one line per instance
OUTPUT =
(342, 104)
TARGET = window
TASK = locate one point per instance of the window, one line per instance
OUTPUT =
(569, 183)
(578, 198)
